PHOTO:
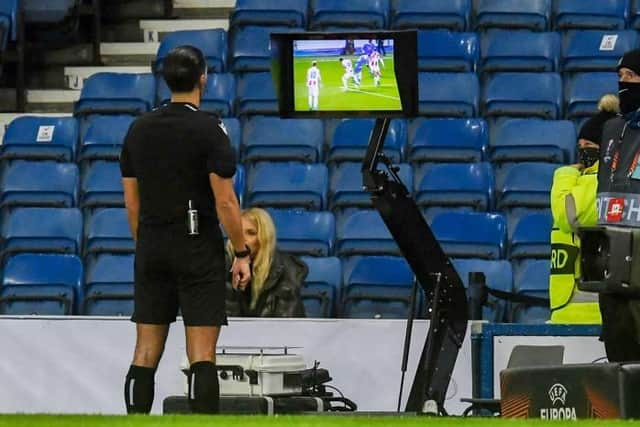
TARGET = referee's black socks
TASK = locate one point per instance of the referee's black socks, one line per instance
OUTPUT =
(204, 389)
(138, 389)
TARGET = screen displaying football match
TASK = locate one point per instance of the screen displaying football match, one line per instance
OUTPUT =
(345, 75)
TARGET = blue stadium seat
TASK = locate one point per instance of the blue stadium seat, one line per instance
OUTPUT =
(292, 13)
(455, 185)
(104, 137)
(583, 91)
(49, 12)
(525, 185)
(471, 234)
(109, 286)
(411, 14)
(519, 50)
(522, 140)
(529, 14)
(212, 44)
(595, 50)
(373, 14)
(114, 93)
(102, 185)
(441, 50)
(322, 286)
(288, 184)
(240, 183)
(51, 184)
(351, 139)
(345, 185)
(249, 48)
(523, 94)
(8, 27)
(303, 232)
(363, 232)
(448, 94)
(602, 14)
(108, 231)
(498, 275)
(447, 140)
(275, 139)
(533, 280)
(256, 94)
(377, 287)
(218, 94)
(43, 284)
(40, 138)
(530, 238)
(42, 230)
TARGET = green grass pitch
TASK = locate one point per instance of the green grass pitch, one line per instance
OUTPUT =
(283, 421)
(367, 97)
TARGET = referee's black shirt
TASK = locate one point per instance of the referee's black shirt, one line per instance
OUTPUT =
(171, 151)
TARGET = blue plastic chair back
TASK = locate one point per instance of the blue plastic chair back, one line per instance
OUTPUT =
(363, 232)
(531, 237)
(584, 90)
(529, 14)
(303, 232)
(108, 232)
(526, 185)
(441, 50)
(447, 140)
(448, 94)
(256, 94)
(532, 279)
(533, 140)
(322, 286)
(595, 50)
(411, 14)
(102, 185)
(104, 137)
(373, 14)
(523, 95)
(250, 48)
(40, 138)
(109, 286)
(601, 14)
(218, 94)
(289, 184)
(8, 9)
(51, 184)
(114, 93)
(508, 50)
(455, 185)
(471, 234)
(291, 13)
(275, 139)
(351, 139)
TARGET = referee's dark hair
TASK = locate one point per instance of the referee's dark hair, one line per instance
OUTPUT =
(183, 67)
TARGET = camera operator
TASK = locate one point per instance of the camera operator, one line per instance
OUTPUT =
(618, 204)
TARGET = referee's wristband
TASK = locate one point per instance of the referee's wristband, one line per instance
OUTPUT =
(241, 254)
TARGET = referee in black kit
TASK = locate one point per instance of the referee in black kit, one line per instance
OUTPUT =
(177, 167)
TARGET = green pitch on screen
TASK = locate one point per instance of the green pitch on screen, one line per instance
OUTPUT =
(332, 97)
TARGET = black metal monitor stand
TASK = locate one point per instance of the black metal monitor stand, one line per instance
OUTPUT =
(433, 270)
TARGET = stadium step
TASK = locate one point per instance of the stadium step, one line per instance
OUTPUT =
(75, 76)
(203, 8)
(6, 118)
(51, 101)
(154, 29)
(128, 53)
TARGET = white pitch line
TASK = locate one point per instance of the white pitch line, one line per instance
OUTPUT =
(374, 94)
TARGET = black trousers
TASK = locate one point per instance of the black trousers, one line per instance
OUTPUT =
(620, 328)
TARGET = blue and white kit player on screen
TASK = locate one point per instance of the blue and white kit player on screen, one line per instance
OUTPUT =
(313, 85)
(360, 63)
(348, 72)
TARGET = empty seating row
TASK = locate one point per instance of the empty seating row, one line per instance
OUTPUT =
(456, 14)
(358, 232)
(292, 184)
(527, 94)
(360, 286)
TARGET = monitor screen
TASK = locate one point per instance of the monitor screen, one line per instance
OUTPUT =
(345, 75)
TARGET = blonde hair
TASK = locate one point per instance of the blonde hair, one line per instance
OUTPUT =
(609, 103)
(261, 262)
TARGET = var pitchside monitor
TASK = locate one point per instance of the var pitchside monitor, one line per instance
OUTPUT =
(370, 74)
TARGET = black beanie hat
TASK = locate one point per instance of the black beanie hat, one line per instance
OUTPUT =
(592, 129)
(630, 60)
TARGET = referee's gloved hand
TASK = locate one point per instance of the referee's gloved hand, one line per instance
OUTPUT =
(241, 272)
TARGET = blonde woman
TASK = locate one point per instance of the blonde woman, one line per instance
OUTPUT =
(274, 290)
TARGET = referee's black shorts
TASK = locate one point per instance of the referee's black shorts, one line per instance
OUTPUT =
(175, 271)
